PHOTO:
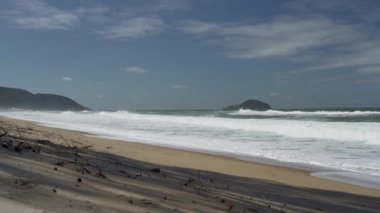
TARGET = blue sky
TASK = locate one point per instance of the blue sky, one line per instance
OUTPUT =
(194, 54)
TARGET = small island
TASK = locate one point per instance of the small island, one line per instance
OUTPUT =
(22, 99)
(251, 105)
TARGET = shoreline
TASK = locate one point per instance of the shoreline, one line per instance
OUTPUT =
(351, 171)
(326, 173)
(212, 162)
(55, 170)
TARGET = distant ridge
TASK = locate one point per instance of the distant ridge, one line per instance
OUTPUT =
(250, 104)
(22, 99)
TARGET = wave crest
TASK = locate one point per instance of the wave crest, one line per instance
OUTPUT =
(303, 113)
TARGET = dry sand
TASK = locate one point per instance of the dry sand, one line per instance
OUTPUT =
(40, 167)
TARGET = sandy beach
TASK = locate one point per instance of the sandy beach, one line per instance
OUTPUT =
(53, 170)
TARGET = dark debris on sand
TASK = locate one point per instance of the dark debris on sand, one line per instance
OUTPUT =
(192, 191)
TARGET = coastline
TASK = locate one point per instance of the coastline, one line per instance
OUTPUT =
(46, 169)
(325, 173)
(307, 145)
(212, 162)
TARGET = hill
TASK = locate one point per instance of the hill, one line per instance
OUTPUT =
(22, 99)
(250, 104)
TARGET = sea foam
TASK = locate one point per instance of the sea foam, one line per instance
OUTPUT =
(304, 113)
(351, 146)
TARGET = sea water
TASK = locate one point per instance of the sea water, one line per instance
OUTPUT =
(341, 140)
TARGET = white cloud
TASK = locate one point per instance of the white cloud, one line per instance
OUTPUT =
(155, 7)
(38, 14)
(317, 43)
(308, 6)
(134, 28)
(35, 14)
(369, 70)
(66, 79)
(108, 22)
(170, 5)
(368, 74)
(198, 27)
(285, 37)
(178, 86)
(96, 14)
(362, 55)
(366, 81)
(363, 10)
(100, 96)
(274, 94)
(136, 70)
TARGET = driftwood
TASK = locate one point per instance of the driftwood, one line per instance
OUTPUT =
(3, 132)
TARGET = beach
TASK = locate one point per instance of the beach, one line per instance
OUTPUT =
(56, 170)
(189, 106)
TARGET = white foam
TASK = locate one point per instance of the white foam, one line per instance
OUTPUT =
(363, 132)
(361, 179)
(353, 146)
(303, 113)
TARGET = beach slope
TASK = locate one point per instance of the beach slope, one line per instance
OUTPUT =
(54, 170)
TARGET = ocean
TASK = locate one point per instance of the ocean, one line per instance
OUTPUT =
(339, 144)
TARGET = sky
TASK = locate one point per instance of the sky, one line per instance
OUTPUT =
(194, 54)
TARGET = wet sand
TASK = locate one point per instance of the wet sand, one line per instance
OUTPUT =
(55, 170)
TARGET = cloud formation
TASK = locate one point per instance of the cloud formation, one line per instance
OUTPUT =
(315, 35)
(66, 79)
(362, 55)
(314, 42)
(136, 70)
(134, 28)
(369, 70)
(363, 10)
(155, 7)
(34, 14)
(179, 86)
(281, 37)
(274, 94)
(111, 23)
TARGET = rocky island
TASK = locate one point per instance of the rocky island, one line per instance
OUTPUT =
(250, 104)
(22, 99)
